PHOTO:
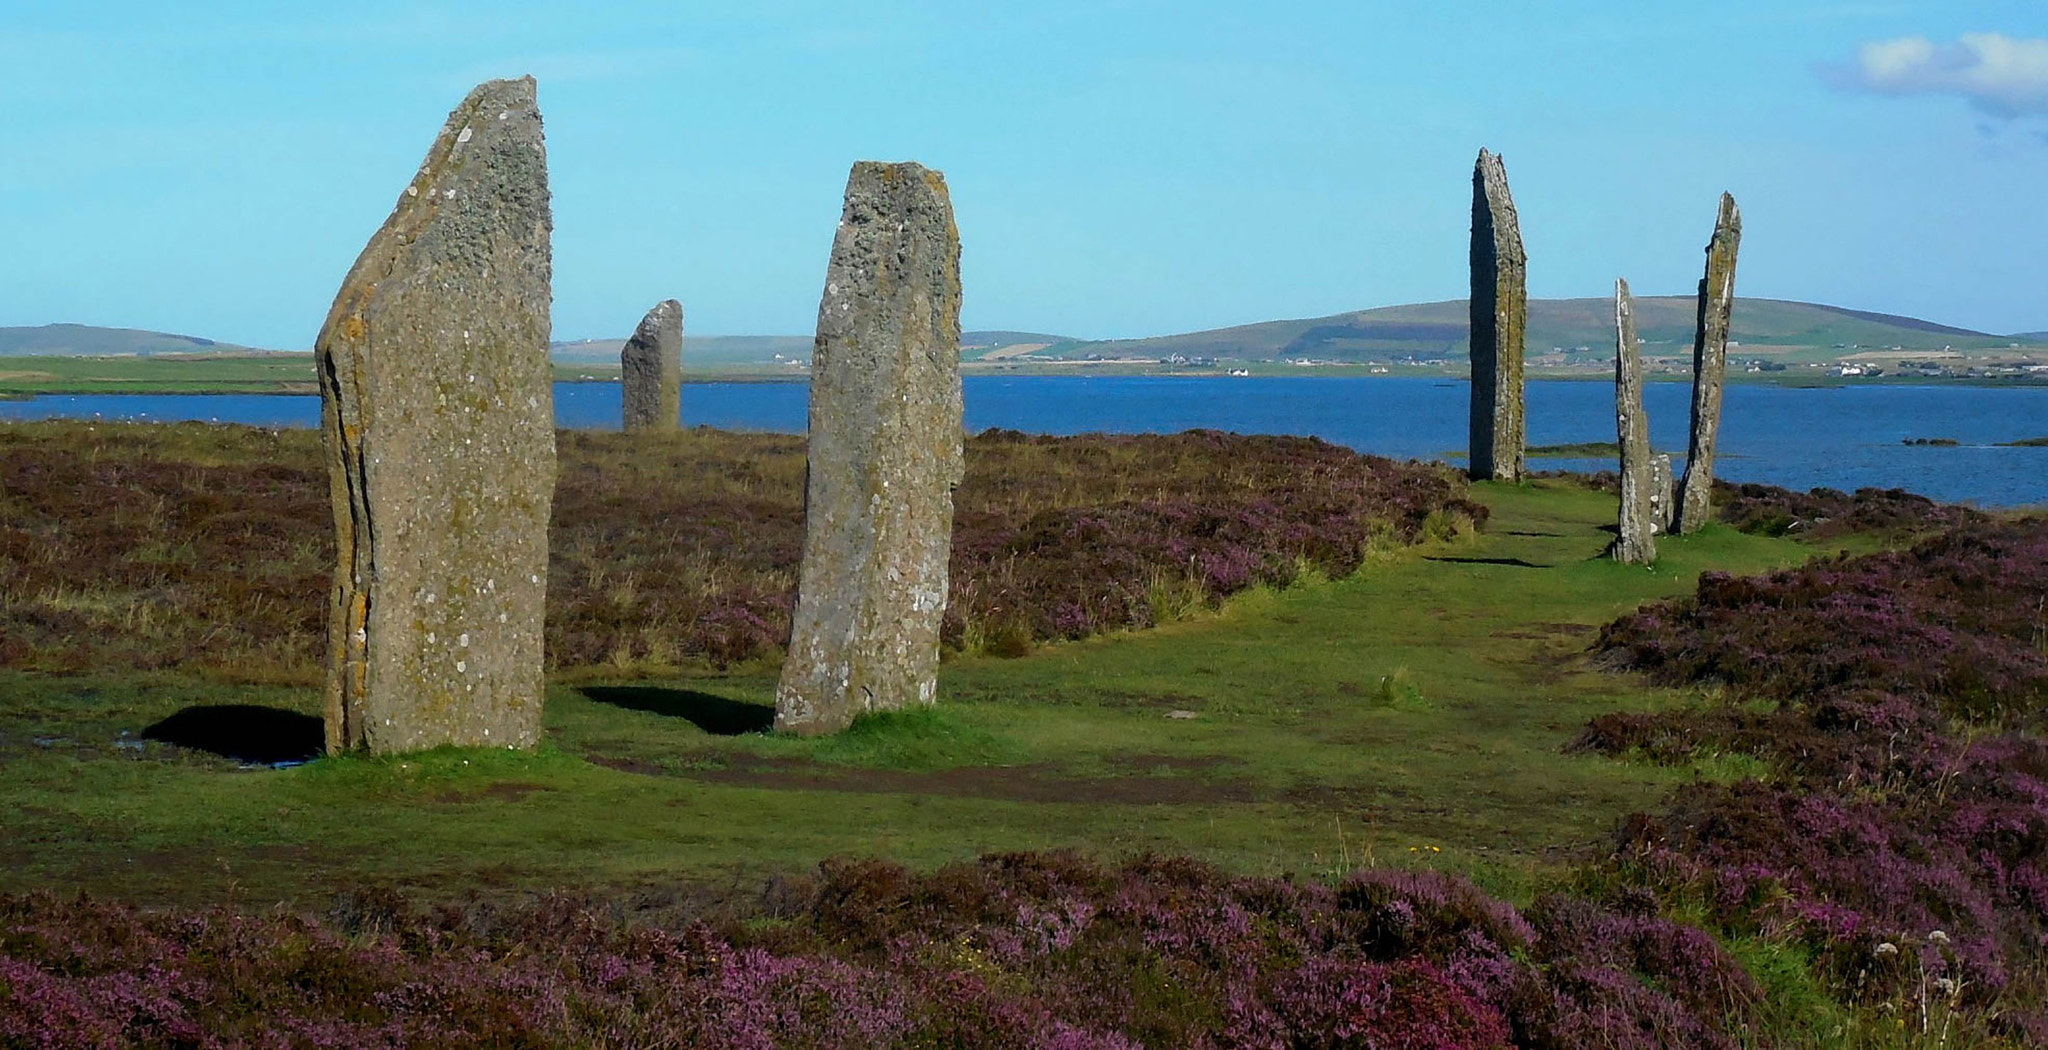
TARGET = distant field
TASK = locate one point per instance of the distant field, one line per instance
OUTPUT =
(212, 373)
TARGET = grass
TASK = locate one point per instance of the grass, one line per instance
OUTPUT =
(255, 373)
(1414, 713)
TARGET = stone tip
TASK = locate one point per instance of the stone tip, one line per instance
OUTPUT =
(889, 168)
(1620, 287)
(523, 87)
(1491, 170)
(890, 173)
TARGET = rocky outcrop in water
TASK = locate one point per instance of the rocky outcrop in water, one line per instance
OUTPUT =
(1634, 542)
(651, 370)
(1499, 317)
(1709, 366)
(885, 456)
(438, 414)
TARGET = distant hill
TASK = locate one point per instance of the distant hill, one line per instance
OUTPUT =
(1578, 328)
(1439, 329)
(997, 340)
(68, 340)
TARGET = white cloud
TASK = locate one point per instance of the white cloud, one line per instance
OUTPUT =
(2001, 75)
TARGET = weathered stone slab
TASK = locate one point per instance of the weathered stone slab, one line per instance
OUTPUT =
(885, 456)
(1709, 367)
(1634, 542)
(651, 370)
(438, 412)
(1499, 315)
(1663, 495)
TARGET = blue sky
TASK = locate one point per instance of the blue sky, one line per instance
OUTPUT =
(1118, 168)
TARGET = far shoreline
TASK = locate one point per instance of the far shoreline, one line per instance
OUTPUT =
(21, 380)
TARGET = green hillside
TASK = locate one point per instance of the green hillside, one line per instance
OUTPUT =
(999, 339)
(69, 339)
(1439, 330)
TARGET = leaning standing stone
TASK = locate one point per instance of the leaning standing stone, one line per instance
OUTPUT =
(1499, 315)
(1633, 542)
(1661, 492)
(651, 370)
(1709, 365)
(438, 415)
(885, 455)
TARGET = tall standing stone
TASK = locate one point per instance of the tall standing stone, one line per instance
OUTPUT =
(1709, 366)
(1633, 542)
(651, 370)
(438, 414)
(1662, 492)
(885, 456)
(1499, 315)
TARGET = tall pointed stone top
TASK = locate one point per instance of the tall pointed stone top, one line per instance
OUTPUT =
(483, 188)
(1729, 217)
(438, 418)
(1490, 186)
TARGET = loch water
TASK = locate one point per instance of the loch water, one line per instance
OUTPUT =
(1843, 437)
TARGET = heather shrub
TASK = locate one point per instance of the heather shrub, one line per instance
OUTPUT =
(1902, 838)
(1195, 517)
(209, 547)
(1820, 513)
(1957, 619)
(1023, 951)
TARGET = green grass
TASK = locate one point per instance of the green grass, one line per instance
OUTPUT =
(1414, 713)
(164, 374)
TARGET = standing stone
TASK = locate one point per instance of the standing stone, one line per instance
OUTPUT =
(1709, 365)
(1499, 314)
(651, 370)
(885, 455)
(1662, 495)
(438, 414)
(1633, 542)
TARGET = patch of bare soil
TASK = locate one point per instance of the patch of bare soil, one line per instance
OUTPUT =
(625, 765)
(1143, 762)
(508, 791)
(1029, 783)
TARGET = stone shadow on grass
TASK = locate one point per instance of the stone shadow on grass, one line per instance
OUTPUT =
(1514, 562)
(716, 715)
(244, 732)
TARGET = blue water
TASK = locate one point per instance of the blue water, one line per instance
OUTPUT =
(1844, 438)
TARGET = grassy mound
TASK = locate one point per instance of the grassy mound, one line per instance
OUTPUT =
(209, 547)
